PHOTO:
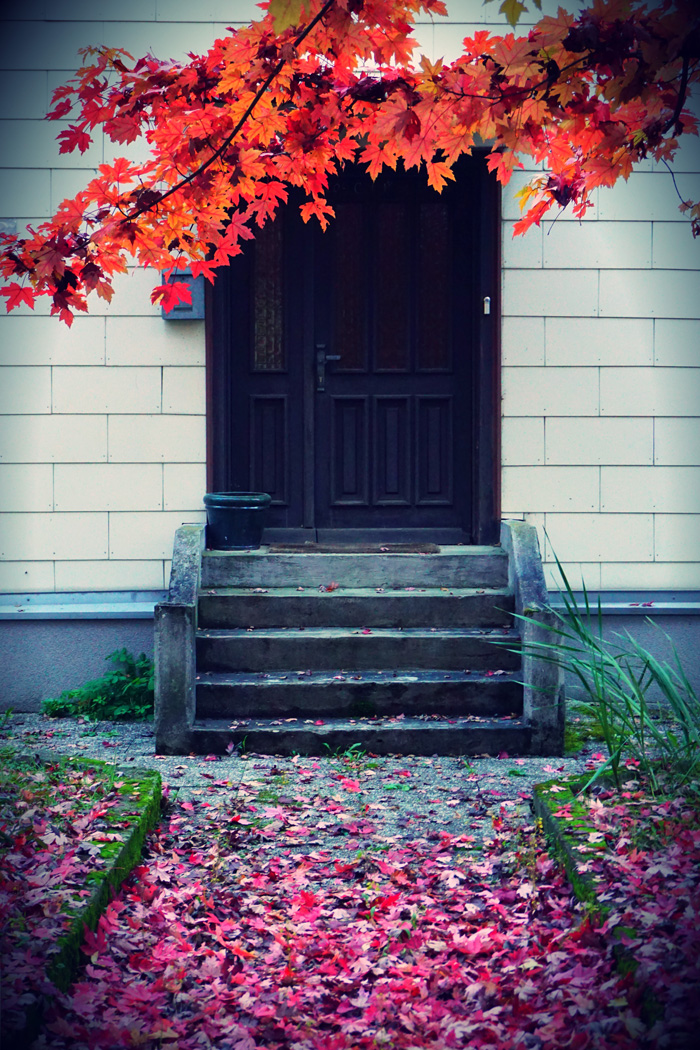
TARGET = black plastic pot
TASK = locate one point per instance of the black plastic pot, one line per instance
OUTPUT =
(235, 520)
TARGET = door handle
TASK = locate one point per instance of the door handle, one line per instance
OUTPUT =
(321, 358)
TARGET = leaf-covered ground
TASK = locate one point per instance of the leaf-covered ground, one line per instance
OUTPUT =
(276, 914)
(62, 825)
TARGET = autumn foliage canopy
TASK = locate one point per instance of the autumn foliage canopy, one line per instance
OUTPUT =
(318, 83)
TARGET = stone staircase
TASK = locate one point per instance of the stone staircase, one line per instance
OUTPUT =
(310, 652)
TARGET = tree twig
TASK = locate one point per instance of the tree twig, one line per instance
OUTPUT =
(229, 139)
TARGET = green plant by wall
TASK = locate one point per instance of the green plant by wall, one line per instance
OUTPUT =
(641, 707)
(124, 693)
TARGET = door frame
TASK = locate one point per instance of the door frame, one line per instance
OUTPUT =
(486, 390)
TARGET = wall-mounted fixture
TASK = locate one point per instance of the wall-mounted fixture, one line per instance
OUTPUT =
(193, 311)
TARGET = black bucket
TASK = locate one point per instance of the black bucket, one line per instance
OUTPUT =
(235, 520)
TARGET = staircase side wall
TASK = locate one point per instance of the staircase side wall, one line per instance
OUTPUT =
(175, 656)
(543, 683)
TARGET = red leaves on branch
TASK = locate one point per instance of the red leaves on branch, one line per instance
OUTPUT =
(316, 83)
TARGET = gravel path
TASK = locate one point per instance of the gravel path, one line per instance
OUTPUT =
(338, 803)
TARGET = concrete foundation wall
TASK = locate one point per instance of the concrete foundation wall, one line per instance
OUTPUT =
(39, 659)
(683, 634)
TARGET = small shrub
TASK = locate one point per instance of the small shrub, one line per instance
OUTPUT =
(124, 693)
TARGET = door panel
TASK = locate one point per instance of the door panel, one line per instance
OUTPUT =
(392, 451)
(351, 360)
(348, 460)
(394, 303)
(434, 443)
(269, 447)
(266, 370)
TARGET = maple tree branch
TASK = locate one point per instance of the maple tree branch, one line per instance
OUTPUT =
(673, 179)
(682, 91)
(249, 109)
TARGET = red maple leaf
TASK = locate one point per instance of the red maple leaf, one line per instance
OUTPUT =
(16, 295)
(169, 295)
(74, 137)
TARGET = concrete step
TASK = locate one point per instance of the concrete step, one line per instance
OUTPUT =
(400, 736)
(321, 648)
(342, 693)
(355, 607)
(451, 566)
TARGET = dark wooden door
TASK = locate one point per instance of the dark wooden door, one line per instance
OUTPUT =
(352, 361)
(393, 314)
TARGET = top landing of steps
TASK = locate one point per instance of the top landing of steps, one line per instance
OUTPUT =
(449, 566)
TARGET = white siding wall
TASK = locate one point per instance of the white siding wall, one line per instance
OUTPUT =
(102, 427)
(102, 437)
(601, 383)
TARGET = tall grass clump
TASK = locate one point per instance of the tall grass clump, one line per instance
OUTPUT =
(646, 708)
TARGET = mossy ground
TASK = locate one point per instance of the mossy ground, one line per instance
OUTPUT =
(44, 801)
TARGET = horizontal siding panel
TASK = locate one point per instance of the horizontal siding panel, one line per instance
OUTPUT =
(523, 251)
(28, 91)
(550, 293)
(650, 488)
(653, 576)
(33, 144)
(184, 391)
(25, 391)
(550, 391)
(675, 248)
(652, 293)
(599, 440)
(579, 574)
(35, 537)
(26, 487)
(106, 389)
(602, 537)
(648, 194)
(53, 439)
(677, 343)
(649, 391)
(24, 194)
(143, 341)
(46, 341)
(157, 439)
(143, 535)
(598, 244)
(522, 441)
(550, 489)
(26, 577)
(677, 537)
(184, 485)
(677, 442)
(108, 486)
(599, 341)
(109, 575)
(522, 340)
